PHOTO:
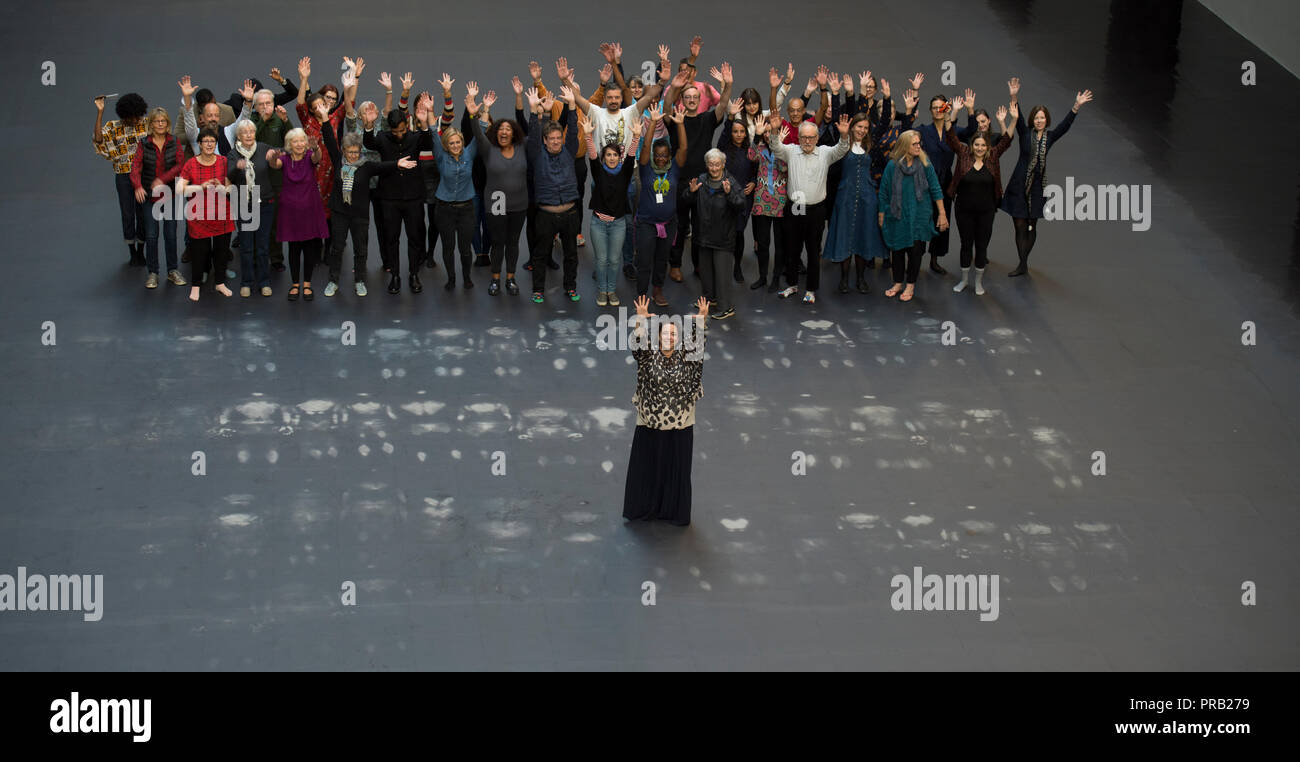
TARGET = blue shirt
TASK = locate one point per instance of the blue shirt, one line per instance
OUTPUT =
(555, 182)
(654, 186)
(457, 176)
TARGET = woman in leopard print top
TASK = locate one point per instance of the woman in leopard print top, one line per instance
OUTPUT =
(668, 382)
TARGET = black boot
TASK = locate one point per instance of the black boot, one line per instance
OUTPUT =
(737, 273)
(395, 284)
(762, 281)
(416, 286)
(464, 271)
(935, 267)
(844, 277)
(137, 254)
(861, 271)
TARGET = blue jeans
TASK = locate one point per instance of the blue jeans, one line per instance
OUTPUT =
(133, 215)
(607, 245)
(629, 240)
(255, 247)
(151, 228)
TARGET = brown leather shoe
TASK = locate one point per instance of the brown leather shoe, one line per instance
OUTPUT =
(675, 273)
(659, 299)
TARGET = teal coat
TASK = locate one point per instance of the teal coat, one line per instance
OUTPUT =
(916, 223)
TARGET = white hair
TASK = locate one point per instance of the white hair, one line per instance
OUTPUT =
(245, 124)
(262, 92)
(714, 154)
(294, 134)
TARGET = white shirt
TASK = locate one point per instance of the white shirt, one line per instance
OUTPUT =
(612, 128)
(192, 128)
(806, 172)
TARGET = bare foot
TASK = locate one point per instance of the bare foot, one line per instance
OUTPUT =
(223, 289)
(194, 294)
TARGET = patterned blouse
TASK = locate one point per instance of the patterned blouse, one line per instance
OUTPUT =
(119, 143)
(769, 185)
(667, 387)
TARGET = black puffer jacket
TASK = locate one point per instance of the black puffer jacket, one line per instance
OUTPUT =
(717, 212)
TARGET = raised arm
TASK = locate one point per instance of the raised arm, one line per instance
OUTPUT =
(724, 76)
(679, 117)
(565, 74)
(304, 71)
(290, 89)
(332, 147)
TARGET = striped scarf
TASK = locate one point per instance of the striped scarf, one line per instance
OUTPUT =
(1037, 160)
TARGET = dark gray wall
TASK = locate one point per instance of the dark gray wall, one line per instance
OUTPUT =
(1273, 25)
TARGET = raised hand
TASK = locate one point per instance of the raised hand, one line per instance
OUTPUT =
(679, 113)
(408, 79)
(789, 72)
(1013, 87)
(1014, 111)
(562, 69)
(471, 88)
(489, 99)
(1001, 114)
(187, 88)
(656, 113)
(276, 75)
(696, 42)
(884, 88)
(702, 304)
(304, 67)
(864, 78)
(734, 106)
(247, 90)
(548, 102)
(636, 129)
(588, 126)
(99, 102)
(783, 134)
(534, 70)
(916, 80)
(642, 304)
(385, 80)
(618, 52)
(822, 74)
(958, 104)
(834, 83)
(663, 52)
(679, 79)
(533, 100)
(1082, 98)
(774, 77)
(843, 125)
(812, 84)
(848, 83)
(566, 95)
(716, 73)
(517, 85)
(726, 73)
(607, 51)
(446, 83)
(361, 66)
(910, 99)
(970, 99)
(606, 73)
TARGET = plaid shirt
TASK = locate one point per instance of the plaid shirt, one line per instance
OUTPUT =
(119, 143)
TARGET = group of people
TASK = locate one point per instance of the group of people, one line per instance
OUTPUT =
(646, 158)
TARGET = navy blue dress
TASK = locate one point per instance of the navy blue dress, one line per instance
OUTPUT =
(1014, 202)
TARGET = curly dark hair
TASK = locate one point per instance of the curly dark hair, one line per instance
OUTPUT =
(131, 107)
(516, 134)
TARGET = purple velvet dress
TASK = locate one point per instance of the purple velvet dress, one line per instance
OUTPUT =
(301, 215)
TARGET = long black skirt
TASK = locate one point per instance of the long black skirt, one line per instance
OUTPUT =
(659, 475)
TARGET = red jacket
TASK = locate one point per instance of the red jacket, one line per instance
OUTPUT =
(966, 160)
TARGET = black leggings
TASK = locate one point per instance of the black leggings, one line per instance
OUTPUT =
(763, 234)
(456, 224)
(976, 228)
(209, 254)
(907, 262)
(503, 230)
(303, 255)
(1026, 234)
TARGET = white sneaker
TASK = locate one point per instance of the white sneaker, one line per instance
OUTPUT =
(331, 288)
(788, 292)
(361, 288)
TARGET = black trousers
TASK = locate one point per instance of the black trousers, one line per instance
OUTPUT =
(381, 227)
(652, 254)
(503, 231)
(769, 230)
(804, 232)
(566, 224)
(976, 228)
(939, 244)
(906, 263)
(340, 226)
(408, 213)
(456, 224)
(685, 213)
(303, 256)
(209, 254)
(580, 169)
(431, 224)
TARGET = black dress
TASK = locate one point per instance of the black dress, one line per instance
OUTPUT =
(659, 468)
